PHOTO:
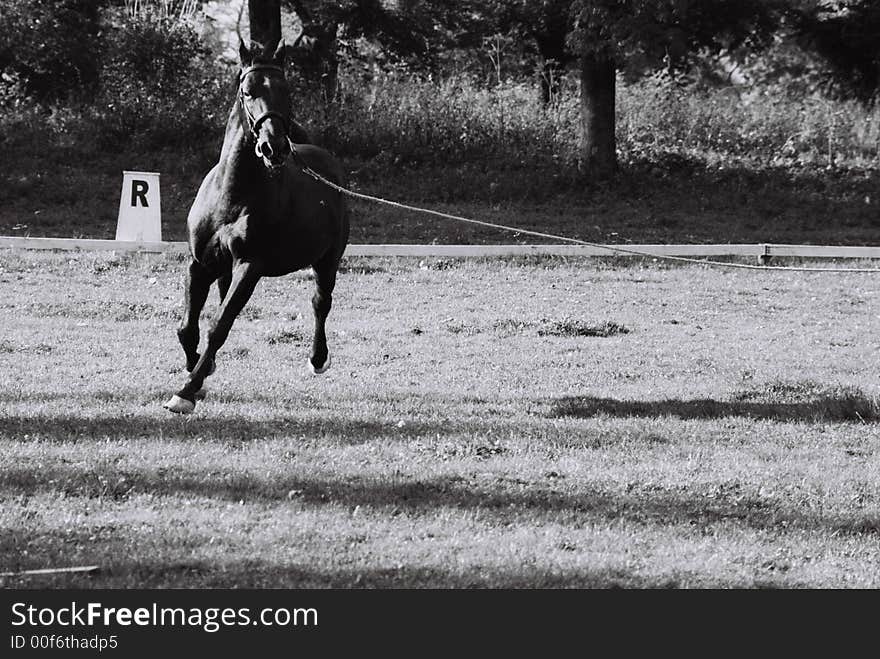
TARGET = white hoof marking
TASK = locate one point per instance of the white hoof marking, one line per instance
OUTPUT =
(323, 369)
(179, 405)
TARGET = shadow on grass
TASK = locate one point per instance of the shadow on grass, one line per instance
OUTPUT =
(493, 500)
(672, 199)
(153, 574)
(845, 407)
(304, 416)
(500, 501)
(665, 198)
(132, 558)
(216, 429)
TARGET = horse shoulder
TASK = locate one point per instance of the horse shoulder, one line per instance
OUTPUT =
(203, 204)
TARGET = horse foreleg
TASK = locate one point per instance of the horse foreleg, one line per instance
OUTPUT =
(322, 301)
(196, 287)
(244, 280)
(223, 284)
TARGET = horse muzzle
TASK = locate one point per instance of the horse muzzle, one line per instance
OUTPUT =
(274, 158)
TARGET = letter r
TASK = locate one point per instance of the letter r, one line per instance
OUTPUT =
(139, 192)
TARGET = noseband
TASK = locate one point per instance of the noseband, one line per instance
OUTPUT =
(255, 123)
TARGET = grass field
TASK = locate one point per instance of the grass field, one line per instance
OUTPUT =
(518, 423)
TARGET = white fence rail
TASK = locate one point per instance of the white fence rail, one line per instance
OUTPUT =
(757, 251)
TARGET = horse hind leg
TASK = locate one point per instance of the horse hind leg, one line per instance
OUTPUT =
(322, 301)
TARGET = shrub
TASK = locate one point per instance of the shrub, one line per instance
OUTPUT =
(760, 125)
(50, 48)
(157, 87)
(406, 118)
(157, 84)
(422, 120)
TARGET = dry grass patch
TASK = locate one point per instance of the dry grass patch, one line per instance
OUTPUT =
(581, 328)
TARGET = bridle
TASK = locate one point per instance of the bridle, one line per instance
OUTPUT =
(254, 123)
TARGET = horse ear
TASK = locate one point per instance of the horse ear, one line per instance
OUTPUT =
(278, 55)
(244, 54)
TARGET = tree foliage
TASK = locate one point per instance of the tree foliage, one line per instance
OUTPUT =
(51, 46)
(415, 30)
(405, 28)
(158, 52)
(546, 24)
(634, 36)
(846, 34)
(647, 34)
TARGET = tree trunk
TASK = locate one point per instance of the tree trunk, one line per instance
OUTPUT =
(265, 21)
(598, 146)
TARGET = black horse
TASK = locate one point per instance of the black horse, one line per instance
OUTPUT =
(258, 214)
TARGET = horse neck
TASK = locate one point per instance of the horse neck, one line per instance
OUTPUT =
(241, 168)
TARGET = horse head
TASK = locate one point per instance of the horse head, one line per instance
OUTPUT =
(264, 103)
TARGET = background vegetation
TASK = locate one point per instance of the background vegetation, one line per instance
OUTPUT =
(778, 144)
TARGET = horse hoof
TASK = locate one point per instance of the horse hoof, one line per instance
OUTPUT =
(323, 369)
(179, 405)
